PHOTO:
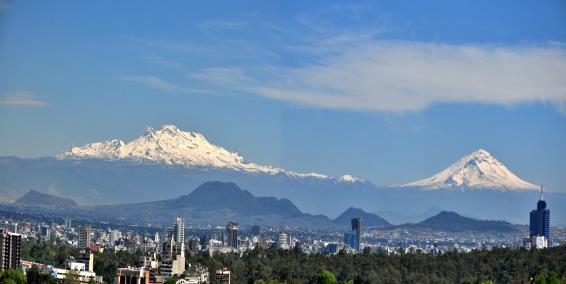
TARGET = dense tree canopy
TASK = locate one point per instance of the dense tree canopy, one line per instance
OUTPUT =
(500, 265)
(497, 265)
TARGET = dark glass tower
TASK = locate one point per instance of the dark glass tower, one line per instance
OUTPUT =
(540, 219)
(357, 228)
(231, 235)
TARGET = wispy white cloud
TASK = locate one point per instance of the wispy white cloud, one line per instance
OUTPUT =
(162, 85)
(22, 99)
(154, 82)
(400, 76)
(229, 78)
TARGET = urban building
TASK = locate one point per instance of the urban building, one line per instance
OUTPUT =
(222, 276)
(76, 270)
(197, 274)
(115, 235)
(10, 250)
(194, 245)
(179, 231)
(351, 240)
(262, 242)
(46, 232)
(85, 239)
(357, 228)
(331, 248)
(68, 224)
(283, 241)
(540, 223)
(231, 235)
(172, 267)
(148, 261)
(87, 258)
(131, 275)
(171, 249)
(255, 230)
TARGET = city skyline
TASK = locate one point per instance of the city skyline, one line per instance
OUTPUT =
(215, 71)
(327, 142)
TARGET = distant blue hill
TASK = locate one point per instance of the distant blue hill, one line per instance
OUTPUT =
(368, 219)
(99, 182)
(453, 222)
(34, 198)
(217, 203)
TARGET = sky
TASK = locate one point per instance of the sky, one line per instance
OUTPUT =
(390, 91)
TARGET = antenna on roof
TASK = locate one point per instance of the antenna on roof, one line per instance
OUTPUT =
(541, 193)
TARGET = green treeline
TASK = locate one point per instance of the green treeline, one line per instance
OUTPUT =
(292, 266)
(498, 265)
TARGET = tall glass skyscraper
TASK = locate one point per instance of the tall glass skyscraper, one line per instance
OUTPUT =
(540, 219)
(357, 227)
(352, 239)
(231, 235)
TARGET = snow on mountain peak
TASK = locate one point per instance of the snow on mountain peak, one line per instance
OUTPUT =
(475, 171)
(350, 179)
(171, 146)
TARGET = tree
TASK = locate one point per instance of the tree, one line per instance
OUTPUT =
(540, 279)
(325, 277)
(34, 276)
(12, 276)
(170, 280)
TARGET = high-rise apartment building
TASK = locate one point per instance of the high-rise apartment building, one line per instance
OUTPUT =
(87, 258)
(179, 230)
(231, 235)
(10, 250)
(85, 239)
(283, 241)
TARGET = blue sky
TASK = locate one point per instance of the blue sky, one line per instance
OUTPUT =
(391, 91)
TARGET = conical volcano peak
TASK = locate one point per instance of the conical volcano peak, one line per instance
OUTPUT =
(477, 170)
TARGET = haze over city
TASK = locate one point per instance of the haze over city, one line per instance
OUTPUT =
(282, 142)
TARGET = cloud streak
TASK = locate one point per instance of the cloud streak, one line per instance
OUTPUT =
(154, 82)
(22, 99)
(160, 84)
(400, 76)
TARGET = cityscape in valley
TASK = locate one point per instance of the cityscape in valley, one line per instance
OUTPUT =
(220, 217)
(282, 142)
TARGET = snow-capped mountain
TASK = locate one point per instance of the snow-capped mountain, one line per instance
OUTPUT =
(478, 170)
(171, 146)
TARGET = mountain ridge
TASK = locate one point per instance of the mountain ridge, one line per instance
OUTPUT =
(368, 219)
(453, 222)
(36, 198)
(213, 202)
(172, 146)
(240, 205)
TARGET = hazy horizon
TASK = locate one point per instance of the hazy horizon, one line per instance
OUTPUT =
(387, 91)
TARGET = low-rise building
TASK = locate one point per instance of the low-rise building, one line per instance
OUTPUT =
(222, 276)
(74, 270)
(132, 275)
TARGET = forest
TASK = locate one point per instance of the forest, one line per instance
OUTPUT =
(500, 265)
